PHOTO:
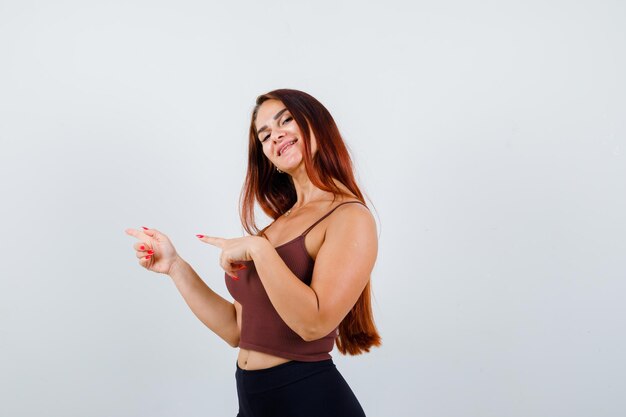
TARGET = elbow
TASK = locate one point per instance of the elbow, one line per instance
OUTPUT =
(307, 337)
(310, 334)
(232, 338)
(316, 329)
(233, 342)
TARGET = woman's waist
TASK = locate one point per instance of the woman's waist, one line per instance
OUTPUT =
(253, 357)
(251, 360)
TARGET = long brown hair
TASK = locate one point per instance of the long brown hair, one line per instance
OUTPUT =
(276, 193)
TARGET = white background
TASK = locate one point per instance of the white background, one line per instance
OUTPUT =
(489, 135)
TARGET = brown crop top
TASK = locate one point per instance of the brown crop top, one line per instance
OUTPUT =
(262, 329)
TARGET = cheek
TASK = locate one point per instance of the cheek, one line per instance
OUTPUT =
(295, 129)
(266, 151)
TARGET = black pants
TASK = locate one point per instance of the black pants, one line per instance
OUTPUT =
(296, 389)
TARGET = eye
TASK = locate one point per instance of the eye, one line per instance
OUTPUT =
(285, 120)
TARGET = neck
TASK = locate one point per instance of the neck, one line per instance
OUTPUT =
(306, 192)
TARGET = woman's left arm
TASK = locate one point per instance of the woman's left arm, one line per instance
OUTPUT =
(342, 269)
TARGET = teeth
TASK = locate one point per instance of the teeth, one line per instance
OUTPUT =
(285, 147)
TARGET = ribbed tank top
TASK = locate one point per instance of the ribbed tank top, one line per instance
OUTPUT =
(262, 329)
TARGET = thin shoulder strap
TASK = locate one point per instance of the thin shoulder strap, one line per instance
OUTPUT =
(329, 213)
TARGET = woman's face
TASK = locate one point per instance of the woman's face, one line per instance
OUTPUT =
(280, 136)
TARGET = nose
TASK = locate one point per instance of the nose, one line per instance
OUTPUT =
(278, 135)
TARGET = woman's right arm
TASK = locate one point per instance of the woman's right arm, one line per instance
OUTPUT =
(156, 253)
(215, 312)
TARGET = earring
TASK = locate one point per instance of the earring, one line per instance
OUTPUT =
(279, 171)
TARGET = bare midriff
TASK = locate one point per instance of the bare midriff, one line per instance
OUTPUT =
(251, 360)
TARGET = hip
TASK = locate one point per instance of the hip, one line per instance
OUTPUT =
(296, 389)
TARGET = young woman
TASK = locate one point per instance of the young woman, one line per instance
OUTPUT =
(301, 284)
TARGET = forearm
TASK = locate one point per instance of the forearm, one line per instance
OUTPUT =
(295, 302)
(215, 312)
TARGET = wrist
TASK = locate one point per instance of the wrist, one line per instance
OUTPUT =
(260, 245)
(177, 265)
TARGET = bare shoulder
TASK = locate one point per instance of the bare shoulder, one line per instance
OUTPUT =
(353, 219)
(356, 208)
(349, 250)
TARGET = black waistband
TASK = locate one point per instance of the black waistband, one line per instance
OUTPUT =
(265, 380)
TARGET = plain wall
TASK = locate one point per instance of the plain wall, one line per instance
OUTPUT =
(489, 136)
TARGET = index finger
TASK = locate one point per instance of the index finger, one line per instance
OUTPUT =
(136, 233)
(215, 241)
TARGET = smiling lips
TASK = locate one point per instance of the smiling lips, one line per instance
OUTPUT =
(282, 148)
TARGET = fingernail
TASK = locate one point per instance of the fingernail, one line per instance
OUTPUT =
(235, 277)
(142, 247)
(243, 267)
(145, 228)
(150, 252)
(148, 257)
(200, 236)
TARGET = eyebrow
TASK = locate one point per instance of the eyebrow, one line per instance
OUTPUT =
(276, 116)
